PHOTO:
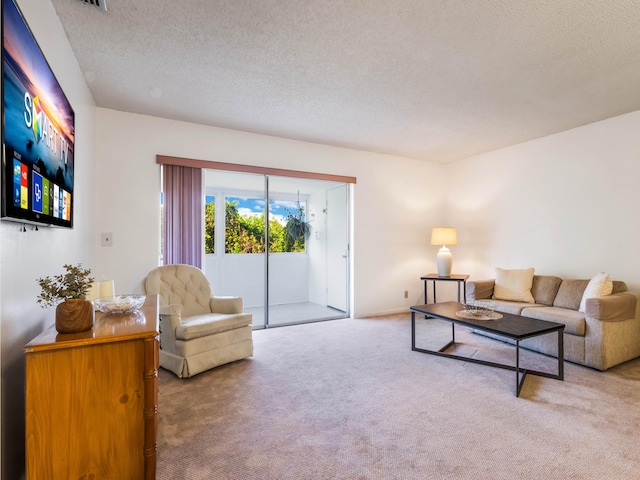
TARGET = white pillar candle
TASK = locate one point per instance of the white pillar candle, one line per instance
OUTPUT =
(94, 291)
(107, 288)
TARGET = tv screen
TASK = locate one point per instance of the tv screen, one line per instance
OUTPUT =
(38, 131)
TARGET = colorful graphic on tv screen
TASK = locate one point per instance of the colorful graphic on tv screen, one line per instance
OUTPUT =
(38, 128)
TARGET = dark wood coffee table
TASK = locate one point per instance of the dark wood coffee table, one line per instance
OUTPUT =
(514, 327)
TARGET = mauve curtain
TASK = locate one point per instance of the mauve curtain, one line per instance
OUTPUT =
(182, 215)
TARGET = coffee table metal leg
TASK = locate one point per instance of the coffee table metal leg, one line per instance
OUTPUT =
(517, 368)
(520, 376)
(561, 354)
(413, 330)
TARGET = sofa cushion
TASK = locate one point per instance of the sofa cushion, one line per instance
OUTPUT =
(619, 286)
(570, 294)
(514, 308)
(514, 285)
(599, 286)
(545, 288)
(210, 323)
(478, 289)
(573, 320)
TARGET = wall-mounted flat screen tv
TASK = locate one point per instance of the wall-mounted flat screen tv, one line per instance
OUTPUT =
(38, 131)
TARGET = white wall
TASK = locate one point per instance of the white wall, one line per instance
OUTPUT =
(567, 204)
(28, 255)
(317, 248)
(396, 200)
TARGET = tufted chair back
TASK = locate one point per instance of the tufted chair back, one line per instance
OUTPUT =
(180, 285)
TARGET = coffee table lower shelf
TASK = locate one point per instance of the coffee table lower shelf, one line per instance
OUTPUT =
(529, 328)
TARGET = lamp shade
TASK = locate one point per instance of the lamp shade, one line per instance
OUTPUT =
(444, 236)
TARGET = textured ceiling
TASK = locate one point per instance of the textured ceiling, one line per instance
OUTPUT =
(427, 79)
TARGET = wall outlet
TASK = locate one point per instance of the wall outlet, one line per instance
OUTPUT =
(406, 294)
(107, 239)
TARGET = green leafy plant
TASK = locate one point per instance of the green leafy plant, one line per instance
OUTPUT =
(296, 227)
(74, 283)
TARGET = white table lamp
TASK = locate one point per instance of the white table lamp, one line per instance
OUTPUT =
(444, 236)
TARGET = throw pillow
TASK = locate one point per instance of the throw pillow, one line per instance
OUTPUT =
(514, 285)
(599, 286)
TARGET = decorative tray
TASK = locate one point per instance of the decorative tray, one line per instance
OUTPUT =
(476, 316)
(120, 303)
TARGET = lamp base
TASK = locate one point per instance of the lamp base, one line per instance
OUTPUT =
(444, 260)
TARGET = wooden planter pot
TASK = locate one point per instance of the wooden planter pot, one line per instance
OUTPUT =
(74, 315)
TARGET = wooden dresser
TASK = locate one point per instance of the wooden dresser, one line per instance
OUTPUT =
(92, 399)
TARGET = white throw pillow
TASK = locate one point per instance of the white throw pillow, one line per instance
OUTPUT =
(514, 285)
(599, 286)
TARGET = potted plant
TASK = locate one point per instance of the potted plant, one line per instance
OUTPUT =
(296, 226)
(67, 292)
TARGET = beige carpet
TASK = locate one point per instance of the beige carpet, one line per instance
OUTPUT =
(348, 399)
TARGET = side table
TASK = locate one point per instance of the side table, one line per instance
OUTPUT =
(434, 277)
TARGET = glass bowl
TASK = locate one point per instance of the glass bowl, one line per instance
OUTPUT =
(480, 308)
(120, 303)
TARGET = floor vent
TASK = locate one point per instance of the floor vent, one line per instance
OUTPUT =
(101, 4)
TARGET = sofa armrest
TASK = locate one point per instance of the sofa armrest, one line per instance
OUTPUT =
(479, 289)
(226, 304)
(612, 308)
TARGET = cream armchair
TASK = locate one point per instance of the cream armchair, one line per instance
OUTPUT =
(198, 330)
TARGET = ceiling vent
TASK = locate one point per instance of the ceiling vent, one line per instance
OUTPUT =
(101, 4)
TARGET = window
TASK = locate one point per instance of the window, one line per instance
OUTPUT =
(288, 228)
(245, 227)
(210, 224)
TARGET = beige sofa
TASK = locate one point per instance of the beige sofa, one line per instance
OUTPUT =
(605, 335)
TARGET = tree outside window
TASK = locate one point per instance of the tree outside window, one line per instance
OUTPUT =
(245, 226)
(209, 222)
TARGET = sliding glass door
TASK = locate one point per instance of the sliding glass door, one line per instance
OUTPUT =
(234, 236)
(303, 274)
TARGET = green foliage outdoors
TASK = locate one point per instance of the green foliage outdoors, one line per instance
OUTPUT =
(209, 222)
(246, 234)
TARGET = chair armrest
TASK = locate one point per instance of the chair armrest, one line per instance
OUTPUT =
(612, 308)
(171, 310)
(477, 289)
(226, 305)
(170, 320)
(170, 316)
